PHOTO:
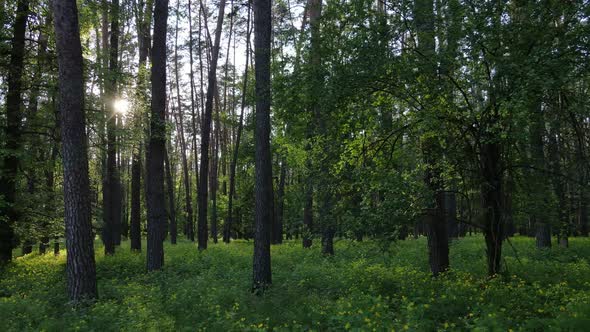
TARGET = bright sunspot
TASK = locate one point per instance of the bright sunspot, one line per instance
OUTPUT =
(121, 106)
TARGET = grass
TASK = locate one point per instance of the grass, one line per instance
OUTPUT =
(361, 288)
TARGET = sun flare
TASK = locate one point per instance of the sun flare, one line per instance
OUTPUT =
(121, 106)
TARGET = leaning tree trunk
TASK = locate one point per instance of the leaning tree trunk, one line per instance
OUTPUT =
(10, 162)
(206, 135)
(262, 276)
(157, 144)
(80, 266)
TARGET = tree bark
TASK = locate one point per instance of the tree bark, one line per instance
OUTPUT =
(171, 203)
(80, 266)
(232, 172)
(12, 134)
(263, 165)
(180, 122)
(194, 118)
(111, 190)
(157, 144)
(135, 224)
(280, 204)
(206, 134)
(436, 225)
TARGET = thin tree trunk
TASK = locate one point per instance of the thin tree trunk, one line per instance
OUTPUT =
(180, 123)
(194, 118)
(111, 191)
(281, 203)
(232, 172)
(171, 203)
(80, 266)
(135, 224)
(206, 133)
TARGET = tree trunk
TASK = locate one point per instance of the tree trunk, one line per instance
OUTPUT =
(171, 204)
(263, 165)
(543, 235)
(180, 124)
(135, 224)
(110, 189)
(280, 204)
(190, 228)
(10, 162)
(492, 195)
(232, 173)
(80, 266)
(157, 144)
(436, 226)
(206, 135)
(144, 38)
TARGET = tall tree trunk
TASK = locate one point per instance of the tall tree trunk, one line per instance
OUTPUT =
(80, 266)
(194, 118)
(543, 228)
(438, 248)
(183, 148)
(206, 134)
(12, 134)
(111, 186)
(315, 7)
(232, 172)
(144, 37)
(263, 165)
(157, 144)
(557, 181)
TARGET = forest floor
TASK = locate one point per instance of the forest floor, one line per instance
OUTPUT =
(363, 287)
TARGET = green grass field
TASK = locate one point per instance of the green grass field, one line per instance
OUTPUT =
(363, 287)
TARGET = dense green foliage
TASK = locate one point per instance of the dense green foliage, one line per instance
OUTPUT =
(360, 288)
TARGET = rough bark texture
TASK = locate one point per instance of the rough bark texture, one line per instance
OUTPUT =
(80, 266)
(206, 134)
(263, 181)
(10, 162)
(157, 144)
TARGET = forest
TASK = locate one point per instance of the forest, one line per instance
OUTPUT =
(294, 165)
